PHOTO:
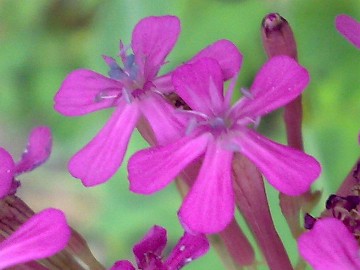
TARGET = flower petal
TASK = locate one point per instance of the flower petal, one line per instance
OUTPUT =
(152, 169)
(43, 235)
(150, 248)
(226, 54)
(84, 91)
(189, 248)
(223, 51)
(164, 83)
(166, 124)
(7, 170)
(277, 83)
(122, 265)
(37, 150)
(349, 28)
(152, 40)
(102, 156)
(209, 206)
(287, 169)
(200, 85)
(329, 246)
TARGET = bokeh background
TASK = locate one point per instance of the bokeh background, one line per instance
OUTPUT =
(41, 41)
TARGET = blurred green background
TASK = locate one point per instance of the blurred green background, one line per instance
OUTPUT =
(41, 41)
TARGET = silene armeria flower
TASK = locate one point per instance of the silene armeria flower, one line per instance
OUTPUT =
(37, 152)
(329, 245)
(216, 130)
(135, 90)
(149, 251)
(349, 28)
(41, 236)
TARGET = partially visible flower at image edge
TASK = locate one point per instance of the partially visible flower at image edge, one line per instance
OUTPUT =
(349, 28)
(218, 130)
(37, 152)
(329, 245)
(148, 252)
(41, 236)
(135, 91)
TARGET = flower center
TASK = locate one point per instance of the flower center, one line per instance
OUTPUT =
(128, 75)
(344, 208)
(347, 209)
(217, 125)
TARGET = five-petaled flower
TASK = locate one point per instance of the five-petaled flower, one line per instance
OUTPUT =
(329, 245)
(215, 131)
(148, 252)
(349, 28)
(37, 152)
(136, 91)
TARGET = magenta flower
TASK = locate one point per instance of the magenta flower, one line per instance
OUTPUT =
(43, 235)
(148, 252)
(349, 28)
(37, 152)
(217, 130)
(135, 90)
(330, 246)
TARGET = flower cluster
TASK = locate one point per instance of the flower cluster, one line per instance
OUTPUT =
(202, 127)
(198, 137)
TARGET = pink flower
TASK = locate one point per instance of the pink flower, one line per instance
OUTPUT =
(37, 152)
(349, 28)
(148, 252)
(330, 246)
(135, 90)
(216, 130)
(43, 235)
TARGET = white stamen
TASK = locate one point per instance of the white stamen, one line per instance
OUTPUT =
(257, 122)
(246, 93)
(193, 113)
(104, 95)
(127, 95)
(187, 260)
(191, 126)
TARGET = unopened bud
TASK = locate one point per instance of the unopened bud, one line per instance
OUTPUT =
(277, 36)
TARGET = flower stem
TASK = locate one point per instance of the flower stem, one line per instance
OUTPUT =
(252, 202)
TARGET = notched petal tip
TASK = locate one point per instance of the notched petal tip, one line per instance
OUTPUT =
(289, 170)
(152, 40)
(226, 54)
(37, 150)
(279, 81)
